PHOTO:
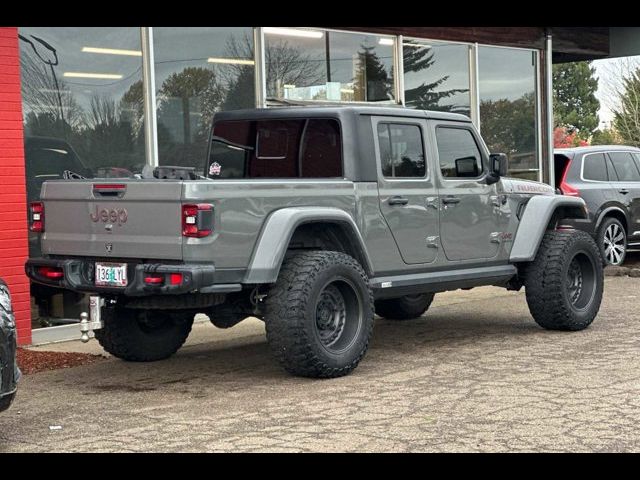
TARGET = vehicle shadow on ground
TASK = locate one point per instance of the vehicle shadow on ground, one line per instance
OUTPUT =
(206, 365)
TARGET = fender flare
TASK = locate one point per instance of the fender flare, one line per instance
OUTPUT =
(276, 234)
(603, 213)
(537, 215)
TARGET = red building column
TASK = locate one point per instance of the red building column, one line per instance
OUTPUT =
(14, 248)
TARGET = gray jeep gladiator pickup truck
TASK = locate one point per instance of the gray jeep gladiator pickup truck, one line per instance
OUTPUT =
(312, 219)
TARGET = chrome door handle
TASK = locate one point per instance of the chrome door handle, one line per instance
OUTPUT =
(450, 200)
(398, 200)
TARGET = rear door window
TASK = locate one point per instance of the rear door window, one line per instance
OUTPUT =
(595, 168)
(625, 166)
(401, 150)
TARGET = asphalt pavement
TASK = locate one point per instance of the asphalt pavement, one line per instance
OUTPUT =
(475, 374)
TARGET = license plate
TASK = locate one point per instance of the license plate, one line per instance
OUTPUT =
(111, 274)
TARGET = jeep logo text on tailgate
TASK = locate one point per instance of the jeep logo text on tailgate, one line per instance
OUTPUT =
(113, 215)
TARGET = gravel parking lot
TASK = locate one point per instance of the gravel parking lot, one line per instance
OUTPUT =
(475, 374)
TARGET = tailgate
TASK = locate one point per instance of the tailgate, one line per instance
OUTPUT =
(113, 218)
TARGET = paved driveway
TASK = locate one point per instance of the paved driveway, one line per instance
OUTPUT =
(477, 374)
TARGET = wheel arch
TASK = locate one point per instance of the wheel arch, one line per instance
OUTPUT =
(540, 212)
(304, 228)
(613, 211)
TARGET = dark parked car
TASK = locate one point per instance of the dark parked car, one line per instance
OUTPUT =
(9, 372)
(607, 177)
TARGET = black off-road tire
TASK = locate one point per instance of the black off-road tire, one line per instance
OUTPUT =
(294, 314)
(143, 335)
(550, 286)
(608, 227)
(404, 308)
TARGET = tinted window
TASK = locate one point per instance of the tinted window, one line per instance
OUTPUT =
(276, 149)
(625, 167)
(458, 152)
(595, 168)
(401, 150)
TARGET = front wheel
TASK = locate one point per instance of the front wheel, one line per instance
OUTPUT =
(564, 283)
(319, 314)
(143, 335)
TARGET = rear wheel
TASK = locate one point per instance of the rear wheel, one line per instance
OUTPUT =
(612, 240)
(319, 314)
(564, 283)
(404, 308)
(143, 335)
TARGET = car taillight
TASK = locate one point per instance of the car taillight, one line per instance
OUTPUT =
(52, 273)
(566, 188)
(197, 220)
(36, 223)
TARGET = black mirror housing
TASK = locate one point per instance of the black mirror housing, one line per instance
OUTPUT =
(498, 164)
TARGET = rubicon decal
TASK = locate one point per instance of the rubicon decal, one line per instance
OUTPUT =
(112, 215)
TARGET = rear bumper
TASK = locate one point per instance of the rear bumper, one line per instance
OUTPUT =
(79, 276)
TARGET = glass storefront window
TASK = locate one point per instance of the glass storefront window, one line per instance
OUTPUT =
(436, 76)
(507, 90)
(198, 71)
(83, 113)
(305, 64)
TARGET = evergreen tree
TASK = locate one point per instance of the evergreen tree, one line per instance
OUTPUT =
(426, 96)
(574, 101)
(372, 82)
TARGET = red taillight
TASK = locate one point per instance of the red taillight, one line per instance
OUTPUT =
(175, 279)
(197, 220)
(566, 188)
(36, 223)
(52, 273)
(154, 279)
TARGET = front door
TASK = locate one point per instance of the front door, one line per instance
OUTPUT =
(408, 197)
(468, 222)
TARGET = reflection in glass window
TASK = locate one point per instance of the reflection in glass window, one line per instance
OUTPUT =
(82, 102)
(198, 71)
(458, 153)
(625, 167)
(436, 76)
(304, 64)
(401, 150)
(507, 90)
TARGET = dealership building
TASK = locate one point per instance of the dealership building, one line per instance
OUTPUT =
(111, 100)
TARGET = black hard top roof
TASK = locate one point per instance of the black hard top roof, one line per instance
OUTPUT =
(336, 111)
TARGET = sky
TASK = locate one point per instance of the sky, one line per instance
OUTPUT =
(609, 72)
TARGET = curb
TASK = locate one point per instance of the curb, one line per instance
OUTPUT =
(622, 272)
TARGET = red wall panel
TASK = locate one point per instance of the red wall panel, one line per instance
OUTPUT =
(13, 221)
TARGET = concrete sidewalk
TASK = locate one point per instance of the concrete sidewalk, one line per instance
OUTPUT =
(476, 374)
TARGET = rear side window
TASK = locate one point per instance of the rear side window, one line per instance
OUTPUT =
(401, 150)
(459, 154)
(625, 167)
(594, 168)
(296, 148)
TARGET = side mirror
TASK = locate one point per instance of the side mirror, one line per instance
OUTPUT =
(498, 165)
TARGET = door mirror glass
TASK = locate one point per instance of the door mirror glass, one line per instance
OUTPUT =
(498, 164)
(467, 167)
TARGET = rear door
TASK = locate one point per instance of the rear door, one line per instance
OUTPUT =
(408, 197)
(118, 219)
(627, 186)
